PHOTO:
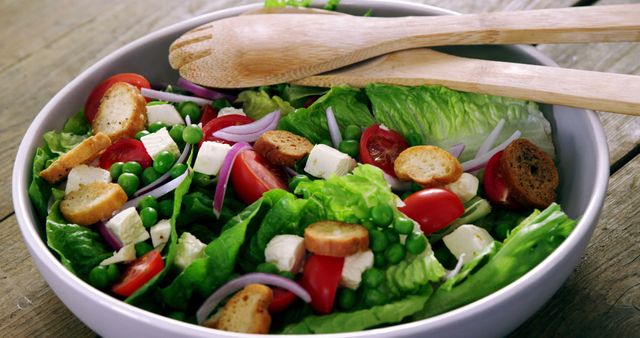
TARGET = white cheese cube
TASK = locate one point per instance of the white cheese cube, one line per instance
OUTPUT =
(469, 240)
(231, 111)
(353, 268)
(165, 113)
(127, 227)
(160, 232)
(466, 187)
(126, 254)
(159, 141)
(189, 249)
(84, 174)
(210, 157)
(286, 252)
(325, 161)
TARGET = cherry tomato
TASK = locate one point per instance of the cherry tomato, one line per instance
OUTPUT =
(208, 113)
(432, 208)
(222, 122)
(281, 300)
(93, 101)
(252, 175)
(320, 278)
(125, 150)
(494, 185)
(138, 273)
(380, 147)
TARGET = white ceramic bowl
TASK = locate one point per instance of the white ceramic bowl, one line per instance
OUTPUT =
(583, 166)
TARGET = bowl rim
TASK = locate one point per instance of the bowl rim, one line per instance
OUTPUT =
(41, 253)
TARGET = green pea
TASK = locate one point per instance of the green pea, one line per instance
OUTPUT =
(287, 274)
(116, 170)
(293, 183)
(113, 273)
(352, 132)
(403, 225)
(190, 109)
(349, 147)
(346, 299)
(149, 216)
(141, 133)
(149, 175)
(155, 126)
(176, 133)
(392, 236)
(267, 267)
(142, 248)
(132, 167)
(369, 225)
(377, 240)
(177, 315)
(192, 134)
(373, 297)
(99, 277)
(382, 215)
(416, 243)
(379, 261)
(352, 219)
(163, 161)
(502, 231)
(372, 278)
(178, 170)
(129, 183)
(326, 142)
(148, 202)
(394, 253)
(165, 208)
(201, 180)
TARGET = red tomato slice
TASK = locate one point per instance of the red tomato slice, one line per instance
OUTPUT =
(380, 147)
(208, 113)
(494, 185)
(281, 300)
(93, 101)
(433, 208)
(138, 273)
(222, 122)
(125, 150)
(252, 175)
(320, 278)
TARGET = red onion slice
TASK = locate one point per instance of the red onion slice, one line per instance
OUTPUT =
(157, 192)
(223, 176)
(291, 172)
(491, 139)
(481, 162)
(334, 130)
(172, 97)
(108, 236)
(249, 132)
(165, 176)
(457, 149)
(396, 184)
(239, 283)
(203, 92)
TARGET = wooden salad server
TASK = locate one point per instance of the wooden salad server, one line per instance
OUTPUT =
(252, 50)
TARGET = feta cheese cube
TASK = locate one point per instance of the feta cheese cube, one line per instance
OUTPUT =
(469, 240)
(84, 174)
(353, 268)
(159, 141)
(210, 157)
(160, 232)
(127, 227)
(325, 161)
(466, 187)
(126, 254)
(231, 111)
(286, 252)
(189, 249)
(165, 113)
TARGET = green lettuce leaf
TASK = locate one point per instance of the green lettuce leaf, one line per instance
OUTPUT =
(257, 103)
(298, 95)
(285, 3)
(61, 142)
(410, 275)
(39, 190)
(77, 124)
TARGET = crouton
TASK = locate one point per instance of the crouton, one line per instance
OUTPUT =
(247, 311)
(92, 202)
(335, 239)
(85, 152)
(429, 166)
(122, 112)
(282, 147)
(530, 174)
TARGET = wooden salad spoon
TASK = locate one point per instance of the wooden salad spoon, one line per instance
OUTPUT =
(252, 50)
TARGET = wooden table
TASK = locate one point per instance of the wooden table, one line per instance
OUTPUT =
(45, 44)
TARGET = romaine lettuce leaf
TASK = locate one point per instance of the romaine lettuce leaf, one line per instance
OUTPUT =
(39, 190)
(410, 275)
(61, 142)
(77, 124)
(257, 103)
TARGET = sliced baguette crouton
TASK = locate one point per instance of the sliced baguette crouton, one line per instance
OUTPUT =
(336, 239)
(530, 174)
(247, 311)
(122, 112)
(92, 202)
(85, 152)
(429, 166)
(282, 147)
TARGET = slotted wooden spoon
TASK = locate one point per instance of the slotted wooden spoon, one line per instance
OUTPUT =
(251, 50)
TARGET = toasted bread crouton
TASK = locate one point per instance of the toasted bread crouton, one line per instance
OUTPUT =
(92, 202)
(530, 174)
(122, 112)
(247, 311)
(282, 147)
(429, 166)
(85, 152)
(335, 239)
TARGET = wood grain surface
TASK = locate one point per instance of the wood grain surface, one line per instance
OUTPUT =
(45, 44)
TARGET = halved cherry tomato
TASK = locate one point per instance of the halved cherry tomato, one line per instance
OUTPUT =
(93, 101)
(380, 147)
(281, 300)
(222, 122)
(494, 185)
(125, 150)
(138, 273)
(208, 113)
(252, 175)
(433, 208)
(320, 278)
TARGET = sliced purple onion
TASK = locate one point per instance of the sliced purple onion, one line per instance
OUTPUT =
(291, 172)
(159, 191)
(455, 270)
(334, 130)
(108, 236)
(172, 97)
(249, 132)
(491, 139)
(481, 162)
(162, 179)
(396, 184)
(223, 176)
(456, 150)
(203, 92)
(239, 283)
